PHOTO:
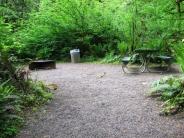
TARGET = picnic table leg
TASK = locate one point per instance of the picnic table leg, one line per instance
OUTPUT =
(169, 66)
(144, 66)
(123, 68)
(126, 70)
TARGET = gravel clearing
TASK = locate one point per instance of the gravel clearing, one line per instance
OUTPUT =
(99, 101)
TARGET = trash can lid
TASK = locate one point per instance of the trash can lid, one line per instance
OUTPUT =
(74, 51)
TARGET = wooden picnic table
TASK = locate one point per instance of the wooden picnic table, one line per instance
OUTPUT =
(148, 59)
(148, 53)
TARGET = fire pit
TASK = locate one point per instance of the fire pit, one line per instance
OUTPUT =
(42, 64)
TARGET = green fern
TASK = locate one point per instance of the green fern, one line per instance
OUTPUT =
(171, 91)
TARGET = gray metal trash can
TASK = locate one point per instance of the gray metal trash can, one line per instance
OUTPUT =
(75, 55)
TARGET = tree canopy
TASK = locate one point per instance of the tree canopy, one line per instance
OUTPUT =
(50, 28)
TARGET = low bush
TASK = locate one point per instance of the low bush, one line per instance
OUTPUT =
(111, 58)
(171, 92)
(9, 107)
(179, 50)
(18, 92)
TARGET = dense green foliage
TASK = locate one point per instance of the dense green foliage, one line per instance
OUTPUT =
(17, 91)
(14, 10)
(170, 90)
(49, 29)
(98, 28)
(64, 25)
(8, 107)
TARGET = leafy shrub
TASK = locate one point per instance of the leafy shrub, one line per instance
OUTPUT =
(111, 58)
(17, 90)
(13, 10)
(14, 102)
(52, 28)
(179, 50)
(17, 93)
(123, 48)
(171, 91)
(9, 105)
(37, 94)
(64, 25)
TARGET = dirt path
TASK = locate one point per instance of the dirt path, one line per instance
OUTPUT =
(99, 101)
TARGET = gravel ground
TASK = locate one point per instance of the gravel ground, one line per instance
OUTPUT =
(99, 101)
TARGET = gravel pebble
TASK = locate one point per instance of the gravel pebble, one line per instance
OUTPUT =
(99, 101)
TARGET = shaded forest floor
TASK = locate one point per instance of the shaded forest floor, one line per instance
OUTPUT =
(99, 101)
